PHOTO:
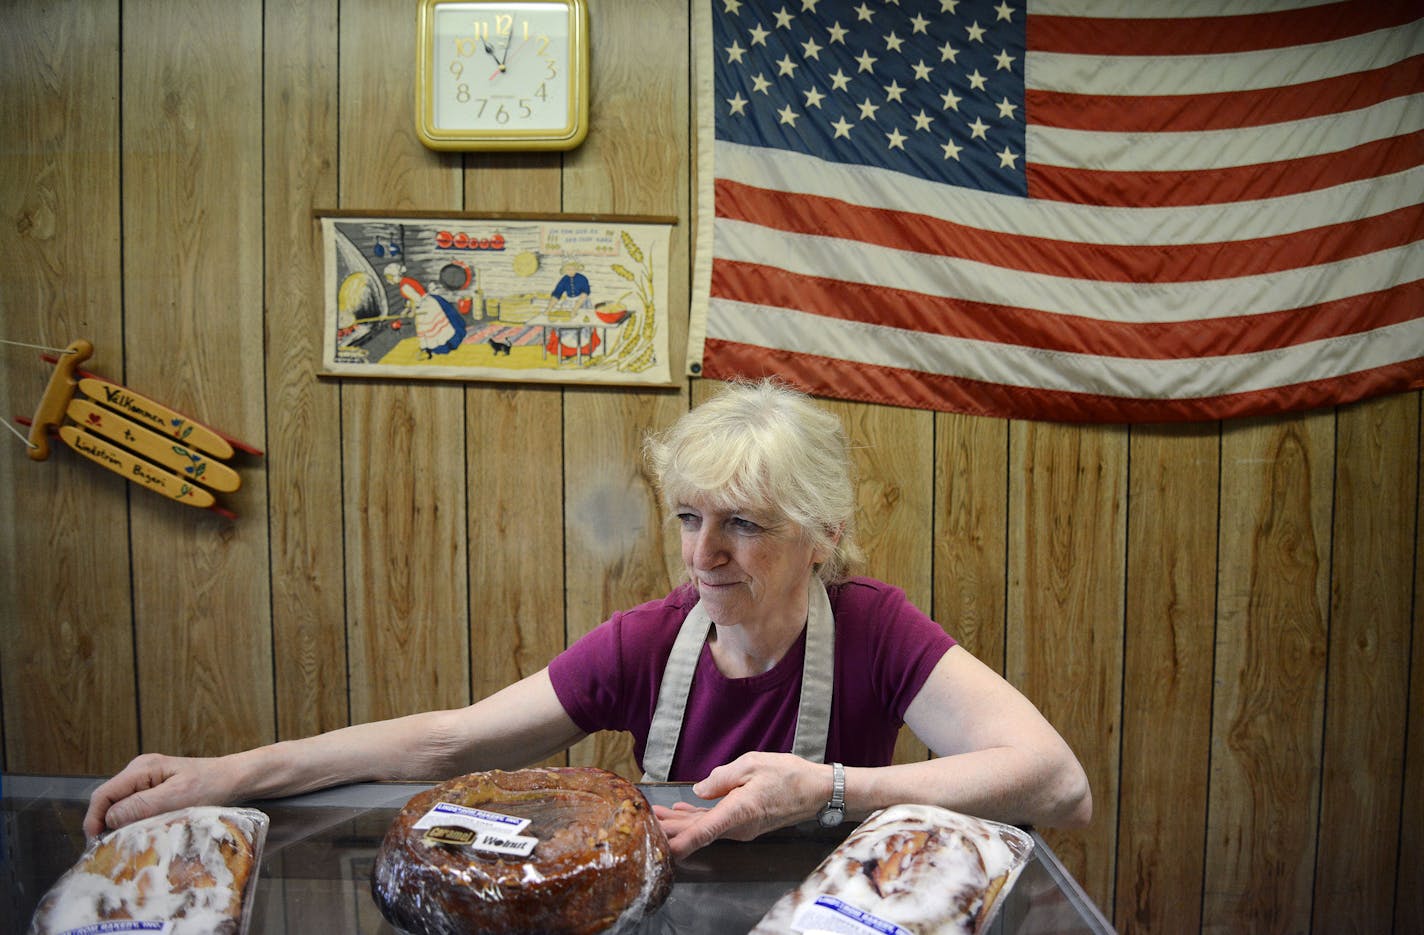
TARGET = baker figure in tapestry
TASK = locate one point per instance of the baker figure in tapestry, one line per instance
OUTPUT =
(572, 292)
(439, 326)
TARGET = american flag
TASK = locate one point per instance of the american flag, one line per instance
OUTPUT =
(1082, 210)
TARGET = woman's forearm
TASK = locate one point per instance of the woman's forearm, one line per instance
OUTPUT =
(998, 756)
(397, 749)
(514, 727)
(999, 783)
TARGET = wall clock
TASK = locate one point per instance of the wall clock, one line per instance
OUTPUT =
(502, 74)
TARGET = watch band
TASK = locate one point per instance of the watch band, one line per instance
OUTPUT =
(837, 787)
(833, 812)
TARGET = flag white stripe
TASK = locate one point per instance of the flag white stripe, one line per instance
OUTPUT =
(869, 264)
(1012, 365)
(870, 272)
(1010, 214)
(1111, 75)
(1222, 149)
(1166, 9)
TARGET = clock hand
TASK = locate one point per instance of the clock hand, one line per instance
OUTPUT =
(489, 50)
(507, 53)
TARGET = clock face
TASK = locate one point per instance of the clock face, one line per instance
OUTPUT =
(503, 72)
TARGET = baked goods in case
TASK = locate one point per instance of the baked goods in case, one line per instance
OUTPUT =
(195, 868)
(907, 869)
(560, 850)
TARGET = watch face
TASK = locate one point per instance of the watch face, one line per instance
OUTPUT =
(503, 70)
(830, 817)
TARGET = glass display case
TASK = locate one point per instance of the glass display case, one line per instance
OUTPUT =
(316, 865)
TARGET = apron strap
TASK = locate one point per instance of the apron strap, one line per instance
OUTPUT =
(672, 695)
(813, 720)
(813, 716)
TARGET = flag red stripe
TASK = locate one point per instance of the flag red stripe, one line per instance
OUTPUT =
(914, 389)
(953, 317)
(829, 217)
(1214, 35)
(1075, 336)
(1221, 186)
(1225, 110)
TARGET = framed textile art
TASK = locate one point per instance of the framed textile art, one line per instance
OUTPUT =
(558, 298)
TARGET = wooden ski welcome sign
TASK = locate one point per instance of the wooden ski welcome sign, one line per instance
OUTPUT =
(132, 435)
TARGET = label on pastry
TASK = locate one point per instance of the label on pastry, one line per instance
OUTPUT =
(126, 925)
(506, 845)
(455, 837)
(450, 815)
(828, 914)
(494, 842)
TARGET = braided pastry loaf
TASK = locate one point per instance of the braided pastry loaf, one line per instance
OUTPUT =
(907, 869)
(195, 868)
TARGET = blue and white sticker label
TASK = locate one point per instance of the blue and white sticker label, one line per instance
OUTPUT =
(828, 914)
(123, 926)
(448, 814)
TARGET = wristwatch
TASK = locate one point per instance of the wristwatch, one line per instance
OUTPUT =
(833, 812)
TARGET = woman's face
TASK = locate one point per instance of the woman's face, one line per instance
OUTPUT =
(748, 566)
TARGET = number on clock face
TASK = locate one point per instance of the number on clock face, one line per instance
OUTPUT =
(497, 69)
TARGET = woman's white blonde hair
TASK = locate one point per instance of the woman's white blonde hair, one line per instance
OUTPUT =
(765, 446)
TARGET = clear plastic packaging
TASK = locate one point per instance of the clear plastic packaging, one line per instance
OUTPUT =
(907, 870)
(560, 850)
(188, 872)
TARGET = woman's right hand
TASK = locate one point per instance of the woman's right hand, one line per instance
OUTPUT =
(152, 784)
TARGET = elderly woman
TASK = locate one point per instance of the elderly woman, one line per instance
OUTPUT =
(771, 679)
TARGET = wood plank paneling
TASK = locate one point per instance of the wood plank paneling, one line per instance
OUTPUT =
(1409, 882)
(1167, 658)
(304, 415)
(1067, 503)
(66, 634)
(1377, 477)
(1270, 673)
(405, 526)
(192, 190)
(403, 443)
(893, 450)
(971, 531)
(613, 520)
(516, 533)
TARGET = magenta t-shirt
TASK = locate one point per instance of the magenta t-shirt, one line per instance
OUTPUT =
(885, 649)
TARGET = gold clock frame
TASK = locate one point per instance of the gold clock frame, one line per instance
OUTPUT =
(474, 139)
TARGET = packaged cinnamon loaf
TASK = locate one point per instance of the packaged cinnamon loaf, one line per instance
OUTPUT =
(188, 872)
(907, 870)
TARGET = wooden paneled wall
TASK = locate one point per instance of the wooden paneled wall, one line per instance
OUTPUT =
(1225, 620)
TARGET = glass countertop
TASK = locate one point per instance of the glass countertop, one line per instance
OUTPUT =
(316, 865)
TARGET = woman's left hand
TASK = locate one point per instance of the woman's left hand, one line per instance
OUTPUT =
(759, 792)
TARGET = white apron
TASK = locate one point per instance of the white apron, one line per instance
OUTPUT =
(813, 716)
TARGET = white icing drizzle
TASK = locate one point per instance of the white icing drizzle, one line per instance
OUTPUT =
(921, 867)
(82, 898)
